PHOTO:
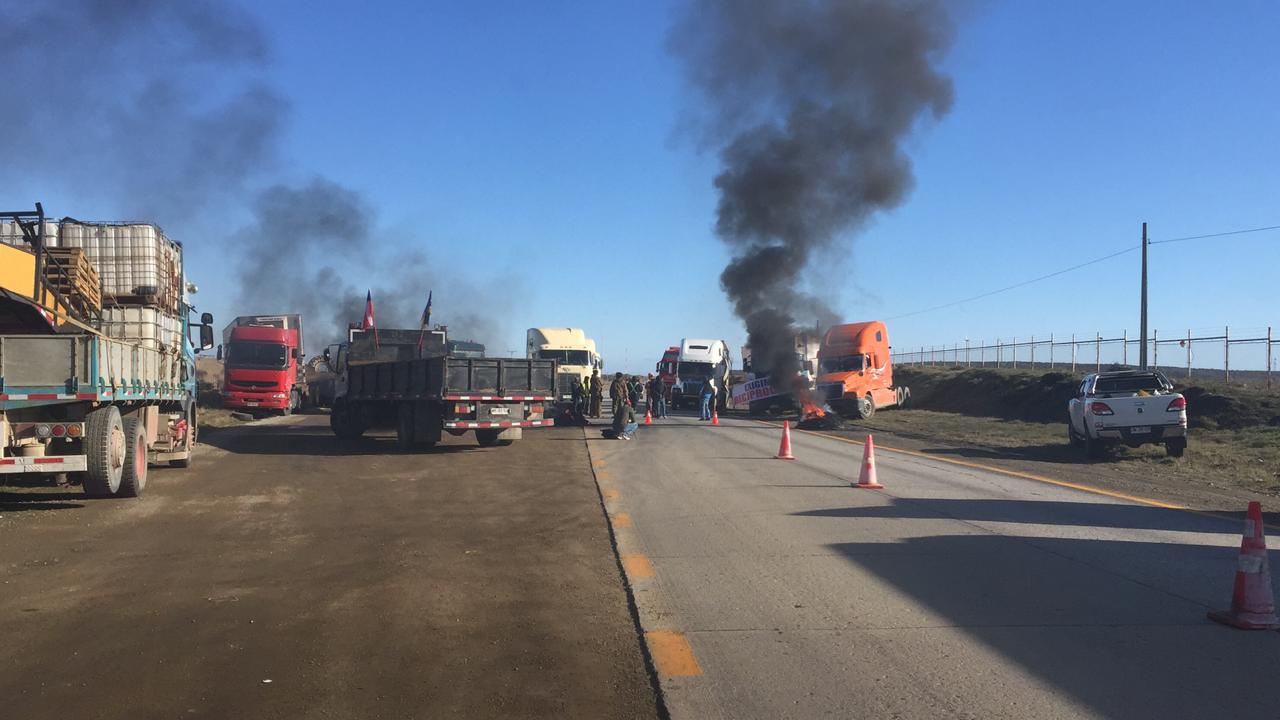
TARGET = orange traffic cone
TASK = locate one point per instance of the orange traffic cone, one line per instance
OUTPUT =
(648, 416)
(1253, 606)
(867, 477)
(715, 417)
(784, 450)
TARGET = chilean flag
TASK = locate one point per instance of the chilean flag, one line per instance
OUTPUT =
(367, 322)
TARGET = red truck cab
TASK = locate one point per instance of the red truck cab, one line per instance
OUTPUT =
(667, 366)
(262, 367)
(855, 374)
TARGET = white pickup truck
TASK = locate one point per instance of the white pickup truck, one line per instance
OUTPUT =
(1130, 407)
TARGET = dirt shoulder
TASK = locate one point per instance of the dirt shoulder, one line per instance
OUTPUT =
(285, 576)
(1222, 469)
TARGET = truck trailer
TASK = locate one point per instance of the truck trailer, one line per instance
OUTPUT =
(855, 371)
(97, 372)
(262, 364)
(408, 379)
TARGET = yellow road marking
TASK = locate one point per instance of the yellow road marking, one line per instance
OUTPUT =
(637, 566)
(621, 520)
(671, 653)
(603, 475)
(1003, 471)
(609, 493)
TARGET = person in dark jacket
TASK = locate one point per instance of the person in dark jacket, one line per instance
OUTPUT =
(597, 393)
(634, 391)
(618, 391)
(624, 421)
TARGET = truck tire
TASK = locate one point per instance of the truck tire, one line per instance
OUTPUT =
(404, 427)
(189, 443)
(343, 422)
(1175, 447)
(133, 476)
(1093, 449)
(1072, 438)
(104, 446)
(489, 438)
(865, 408)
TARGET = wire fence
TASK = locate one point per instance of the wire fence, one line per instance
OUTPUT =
(1225, 354)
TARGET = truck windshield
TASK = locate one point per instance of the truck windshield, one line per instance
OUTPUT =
(844, 363)
(694, 370)
(566, 357)
(257, 355)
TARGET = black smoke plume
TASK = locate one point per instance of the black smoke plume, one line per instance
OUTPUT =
(132, 102)
(809, 102)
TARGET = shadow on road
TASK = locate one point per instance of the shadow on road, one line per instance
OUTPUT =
(29, 501)
(1136, 517)
(318, 440)
(1089, 618)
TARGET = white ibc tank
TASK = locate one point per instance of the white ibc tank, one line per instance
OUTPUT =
(11, 234)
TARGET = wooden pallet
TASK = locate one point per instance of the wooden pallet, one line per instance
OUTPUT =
(69, 271)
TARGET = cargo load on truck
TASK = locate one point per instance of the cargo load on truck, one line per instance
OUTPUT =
(94, 393)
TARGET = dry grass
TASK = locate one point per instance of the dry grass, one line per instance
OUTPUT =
(217, 418)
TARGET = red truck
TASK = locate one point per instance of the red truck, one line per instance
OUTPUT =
(667, 366)
(263, 359)
(855, 375)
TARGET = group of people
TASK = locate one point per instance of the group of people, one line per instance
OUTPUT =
(625, 393)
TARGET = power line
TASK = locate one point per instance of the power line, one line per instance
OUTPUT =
(1016, 286)
(1214, 235)
(1077, 267)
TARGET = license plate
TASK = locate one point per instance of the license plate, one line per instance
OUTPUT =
(499, 411)
(1140, 429)
(251, 404)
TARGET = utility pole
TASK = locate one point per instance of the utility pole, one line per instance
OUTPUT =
(1142, 349)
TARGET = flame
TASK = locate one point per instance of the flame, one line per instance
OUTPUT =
(811, 411)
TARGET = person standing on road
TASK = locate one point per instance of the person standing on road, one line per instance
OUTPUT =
(624, 420)
(657, 404)
(597, 393)
(708, 397)
(633, 391)
(618, 391)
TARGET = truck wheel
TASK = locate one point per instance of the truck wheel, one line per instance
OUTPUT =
(487, 438)
(1175, 447)
(1093, 448)
(1072, 438)
(104, 444)
(133, 476)
(189, 443)
(865, 408)
(343, 422)
(404, 427)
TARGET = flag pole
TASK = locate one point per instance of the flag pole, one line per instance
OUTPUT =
(426, 322)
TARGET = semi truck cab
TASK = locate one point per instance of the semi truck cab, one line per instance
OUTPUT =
(698, 361)
(855, 373)
(263, 361)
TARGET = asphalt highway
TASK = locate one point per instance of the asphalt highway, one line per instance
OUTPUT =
(772, 589)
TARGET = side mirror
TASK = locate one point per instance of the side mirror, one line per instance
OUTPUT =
(206, 336)
(293, 352)
(206, 318)
(326, 354)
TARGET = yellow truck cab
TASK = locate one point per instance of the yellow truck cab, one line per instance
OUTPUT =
(855, 372)
(571, 348)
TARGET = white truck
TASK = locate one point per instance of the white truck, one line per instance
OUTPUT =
(700, 360)
(574, 353)
(1129, 407)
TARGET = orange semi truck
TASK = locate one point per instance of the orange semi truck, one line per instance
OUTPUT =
(855, 374)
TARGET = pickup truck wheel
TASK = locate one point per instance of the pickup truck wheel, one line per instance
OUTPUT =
(104, 445)
(1074, 439)
(1094, 449)
(865, 408)
(1175, 447)
(133, 476)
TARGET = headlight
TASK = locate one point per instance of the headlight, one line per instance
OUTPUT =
(279, 396)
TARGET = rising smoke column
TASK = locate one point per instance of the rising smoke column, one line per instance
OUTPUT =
(809, 102)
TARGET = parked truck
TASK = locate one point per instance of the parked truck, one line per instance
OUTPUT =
(1127, 407)
(574, 353)
(263, 364)
(855, 372)
(409, 380)
(666, 367)
(97, 372)
(699, 361)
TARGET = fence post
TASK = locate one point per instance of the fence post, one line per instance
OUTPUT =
(1124, 354)
(968, 362)
(922, 355)
(1033, 352)
(1268, 356)
(997, 352)
(982, 353)
(1014, 347)
(1050, 351)
(1073, 353)
(1226, 354)
(1188, 354)
(1155, 349)
(1098, 351)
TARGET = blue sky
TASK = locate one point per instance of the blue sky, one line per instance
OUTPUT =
(539, 141)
